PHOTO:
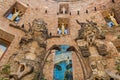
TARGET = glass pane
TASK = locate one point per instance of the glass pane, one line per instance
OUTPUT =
(3, 48)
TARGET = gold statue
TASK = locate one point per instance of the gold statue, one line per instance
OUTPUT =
(63, 10)
(111, 16)
(16, 13)
(63, 28)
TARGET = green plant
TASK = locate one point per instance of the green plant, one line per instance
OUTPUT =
(1, 78)
(6, 69)
(118, 37)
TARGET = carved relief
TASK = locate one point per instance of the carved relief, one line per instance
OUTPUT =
(93, 48)
(31, 51)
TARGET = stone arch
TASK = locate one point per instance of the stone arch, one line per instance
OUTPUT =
(71, 48)
(53, 47)
(82, 63)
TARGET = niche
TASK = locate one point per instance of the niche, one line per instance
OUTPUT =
(15, 12)
(110, 18)
(63, 26)
(63, 8)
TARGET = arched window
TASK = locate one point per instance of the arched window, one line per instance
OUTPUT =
(3, 47)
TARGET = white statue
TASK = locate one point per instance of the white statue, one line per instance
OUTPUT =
(63, 10)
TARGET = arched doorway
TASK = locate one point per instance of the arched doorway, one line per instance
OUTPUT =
(63, 64)
(75, 61)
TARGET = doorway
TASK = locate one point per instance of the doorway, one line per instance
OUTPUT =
(63, 64)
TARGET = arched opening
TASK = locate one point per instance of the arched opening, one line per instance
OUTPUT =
(48, 61)
(63, 64)
(58, 48)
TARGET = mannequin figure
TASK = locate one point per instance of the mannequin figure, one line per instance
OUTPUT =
(16, 14)
(111, 16)
(63, 10)
(63, 28)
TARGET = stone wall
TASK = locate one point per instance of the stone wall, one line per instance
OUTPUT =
(36, 9)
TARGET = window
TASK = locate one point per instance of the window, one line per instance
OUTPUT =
(15, 12)
(63, 8)
(5, 40)
(63, 27)
(110, 18)
(3, 47)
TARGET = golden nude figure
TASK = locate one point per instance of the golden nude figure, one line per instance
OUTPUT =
(63, 28)
(16, 13)
(111, 16)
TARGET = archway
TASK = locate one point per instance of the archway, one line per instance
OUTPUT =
(71, 48)
(63, 64)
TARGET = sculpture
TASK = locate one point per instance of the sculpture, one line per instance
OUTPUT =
(98, 70)
(34, 39)
(16, 13)
(90, 32)
(111, 16)
(23, 70)
(63, 28)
